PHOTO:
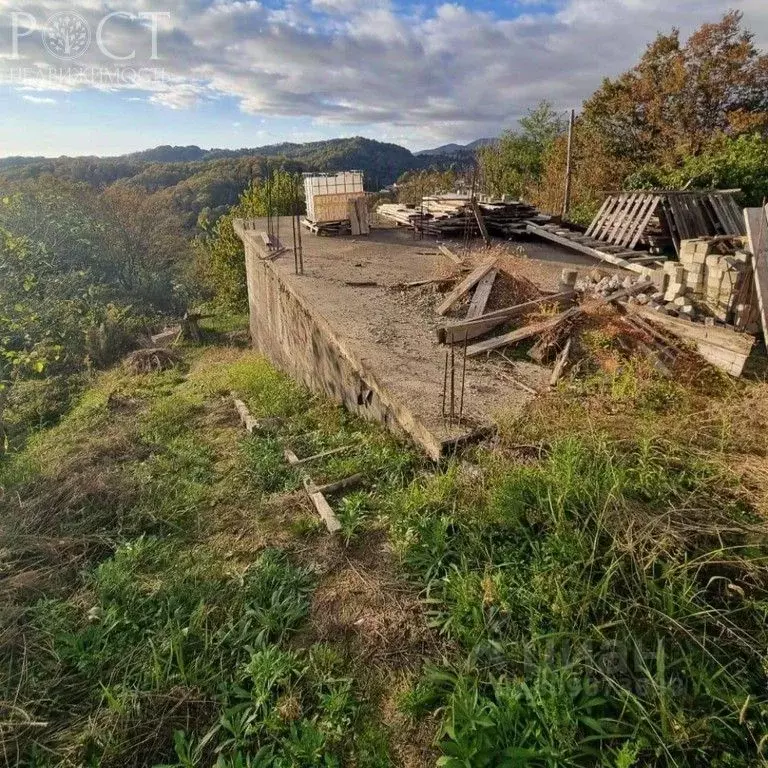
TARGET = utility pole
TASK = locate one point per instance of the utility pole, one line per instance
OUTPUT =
(568, 167)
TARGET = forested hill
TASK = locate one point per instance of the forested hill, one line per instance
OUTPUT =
(164, 166)
(198, 180)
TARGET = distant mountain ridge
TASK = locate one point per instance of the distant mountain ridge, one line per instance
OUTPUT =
(456, 149)
(337, 154)
(209, 181)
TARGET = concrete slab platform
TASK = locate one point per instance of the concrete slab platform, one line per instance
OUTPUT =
(345, 328)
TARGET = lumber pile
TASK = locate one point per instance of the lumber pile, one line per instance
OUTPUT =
(444, 216)
(554, 325)
(328, 228)
(355, 223)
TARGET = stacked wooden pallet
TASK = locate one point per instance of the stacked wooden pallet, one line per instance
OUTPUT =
(648, 217)
(445, 216)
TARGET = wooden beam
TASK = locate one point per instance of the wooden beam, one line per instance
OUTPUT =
(465, 286)
(450, 254)
(481, 221)
(340, 485)
(456, 332)
(321, 455)
(322, 506)
(245, 415)
(593, 226)
(581, 248)
(756, 220)
(720, 346)
(562, 361)
(568, 167)
(520, 334)
(482, 294)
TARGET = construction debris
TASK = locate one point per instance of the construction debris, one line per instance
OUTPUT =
(456, 216)
(617, 255)
(657, 218)
(465, 286)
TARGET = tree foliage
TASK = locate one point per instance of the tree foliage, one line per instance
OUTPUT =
(77, 279)
(692, 112)
(514, 165)
(414, 185)
(220, 256)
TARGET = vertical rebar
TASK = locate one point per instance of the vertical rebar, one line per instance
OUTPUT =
(463, 377)
(293, 229)
(453, 385)
(445, 384)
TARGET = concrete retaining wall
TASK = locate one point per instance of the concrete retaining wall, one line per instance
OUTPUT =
(299, 341)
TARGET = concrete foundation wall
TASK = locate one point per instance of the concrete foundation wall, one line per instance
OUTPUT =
(297, 339)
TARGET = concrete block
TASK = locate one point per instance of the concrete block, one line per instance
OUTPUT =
(673, 291)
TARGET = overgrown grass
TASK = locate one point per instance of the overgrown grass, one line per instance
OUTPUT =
(598, 579)
(136, 631)
(610, 601)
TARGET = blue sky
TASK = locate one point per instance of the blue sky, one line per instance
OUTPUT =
(240, 73)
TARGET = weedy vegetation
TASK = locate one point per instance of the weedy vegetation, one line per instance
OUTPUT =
(592, 592)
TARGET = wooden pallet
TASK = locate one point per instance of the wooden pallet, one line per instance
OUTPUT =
(624, 218)
(583, 243)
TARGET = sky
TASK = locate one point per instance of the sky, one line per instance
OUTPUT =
(85, 77)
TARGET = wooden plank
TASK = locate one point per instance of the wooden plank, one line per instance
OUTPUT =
(679, 219)
(756, 221)
(340, 485)
(295, 461)
(720, 346)
(456, 332)
(465, 286)
(630, 221)
(482, 293)
(612, 236)
(520, 334)
(354, 221)
(450, 254)
(645, 220)
(245, 415)
(611, 211)
(734, 215)
(581, 248)
(562, 361)
(480, 221)
(629, 229)
(322, 506)
(361, 205)
(603, 233)
(591, 228)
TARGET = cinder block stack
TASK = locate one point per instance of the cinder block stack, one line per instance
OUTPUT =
(706, 276)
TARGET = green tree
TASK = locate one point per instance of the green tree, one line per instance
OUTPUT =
(514, 165)
(220, 256)
(71, 297)
(414, 185)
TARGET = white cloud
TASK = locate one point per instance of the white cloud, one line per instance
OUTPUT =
(432, 75)
(39, 99)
